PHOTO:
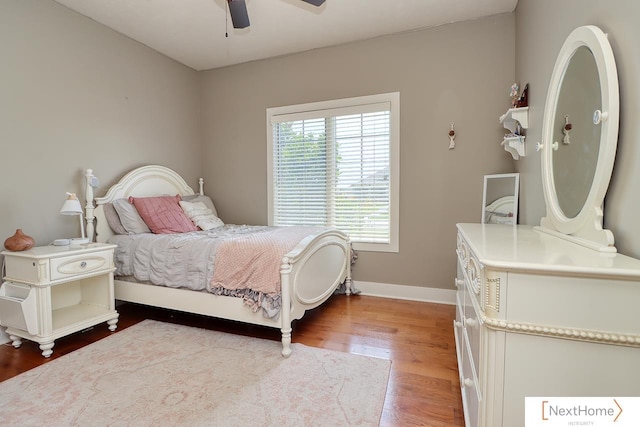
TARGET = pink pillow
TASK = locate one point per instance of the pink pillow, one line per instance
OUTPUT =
(163, 215)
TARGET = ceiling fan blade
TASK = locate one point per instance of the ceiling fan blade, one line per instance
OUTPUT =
(314, 2)
(238, 12)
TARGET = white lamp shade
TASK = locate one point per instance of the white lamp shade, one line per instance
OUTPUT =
(71, 206)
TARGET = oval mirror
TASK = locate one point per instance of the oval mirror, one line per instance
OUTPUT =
(579, 138)
(575, 157)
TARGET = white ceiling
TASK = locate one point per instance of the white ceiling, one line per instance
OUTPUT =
(193, 31)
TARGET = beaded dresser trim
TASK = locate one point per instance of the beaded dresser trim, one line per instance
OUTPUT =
(569, 333)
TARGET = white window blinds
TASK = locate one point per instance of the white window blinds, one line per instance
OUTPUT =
(331, 167)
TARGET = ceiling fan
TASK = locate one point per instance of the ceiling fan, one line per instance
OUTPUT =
(240, 17)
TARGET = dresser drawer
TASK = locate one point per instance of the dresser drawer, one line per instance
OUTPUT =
(475, 276)
(459, 284)
(80, 264)
(462, 250)
(470, 268)
(469, 389)
(458, 334)
(472, 327)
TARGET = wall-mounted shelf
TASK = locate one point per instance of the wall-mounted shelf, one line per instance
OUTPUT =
(514, 120)
(513, 116)
(514, 144)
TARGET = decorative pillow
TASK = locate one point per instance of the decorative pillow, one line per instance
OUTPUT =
(204, 199)
(163, 214)
(201, 215)
(129, 217)
(113, 219)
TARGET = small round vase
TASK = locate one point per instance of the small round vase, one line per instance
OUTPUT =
(19, 242)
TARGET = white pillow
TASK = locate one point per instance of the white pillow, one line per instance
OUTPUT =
(129, 217)
(201, 215)
(204, 199)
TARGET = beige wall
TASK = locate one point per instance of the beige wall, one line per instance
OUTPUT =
(73, 95)
(454, 73)
(76, 94)
(541, 28)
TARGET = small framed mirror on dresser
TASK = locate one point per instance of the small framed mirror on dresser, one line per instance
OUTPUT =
(551, 310)
(500, 199)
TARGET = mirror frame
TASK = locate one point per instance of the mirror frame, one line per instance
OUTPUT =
(586, 227)
(514, 194)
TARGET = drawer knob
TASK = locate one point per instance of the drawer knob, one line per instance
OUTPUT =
(467, 382)
(457, 323)
(83, 264)
(459, 282)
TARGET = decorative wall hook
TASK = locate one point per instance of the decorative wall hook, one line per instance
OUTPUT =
(452, 136)
(565, 130)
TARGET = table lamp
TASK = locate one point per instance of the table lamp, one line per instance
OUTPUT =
(72, 206)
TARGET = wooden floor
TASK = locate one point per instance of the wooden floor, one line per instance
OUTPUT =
(423, 387)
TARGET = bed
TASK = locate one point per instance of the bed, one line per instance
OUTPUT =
(309, 273)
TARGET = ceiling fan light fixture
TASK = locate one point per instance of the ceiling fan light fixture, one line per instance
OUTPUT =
(238, 12)
(240, 16)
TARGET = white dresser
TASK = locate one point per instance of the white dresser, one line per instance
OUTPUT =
(540, 316)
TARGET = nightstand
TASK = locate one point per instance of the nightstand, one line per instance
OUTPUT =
(53, 291)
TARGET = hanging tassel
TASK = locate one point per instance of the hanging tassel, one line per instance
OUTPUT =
(452, 136)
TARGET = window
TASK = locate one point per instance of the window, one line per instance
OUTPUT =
(335, 164)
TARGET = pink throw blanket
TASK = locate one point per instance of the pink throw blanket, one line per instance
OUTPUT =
(253, 261)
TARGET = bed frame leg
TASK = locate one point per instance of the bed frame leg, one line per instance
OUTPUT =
(286, 343)
(285, 308)
(348, 282)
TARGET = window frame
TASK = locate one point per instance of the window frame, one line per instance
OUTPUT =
(301, 110)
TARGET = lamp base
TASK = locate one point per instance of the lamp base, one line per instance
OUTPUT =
(78, 241)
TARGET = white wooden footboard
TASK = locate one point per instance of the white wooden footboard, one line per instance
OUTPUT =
(310, 273)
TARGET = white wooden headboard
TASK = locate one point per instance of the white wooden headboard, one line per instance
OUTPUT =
(145, 181)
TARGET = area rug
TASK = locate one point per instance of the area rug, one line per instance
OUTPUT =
(156, 373)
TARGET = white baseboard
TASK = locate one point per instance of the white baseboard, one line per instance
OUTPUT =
(413, 293)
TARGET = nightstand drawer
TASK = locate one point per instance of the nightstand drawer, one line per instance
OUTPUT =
(22, 269)
(80, 264)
